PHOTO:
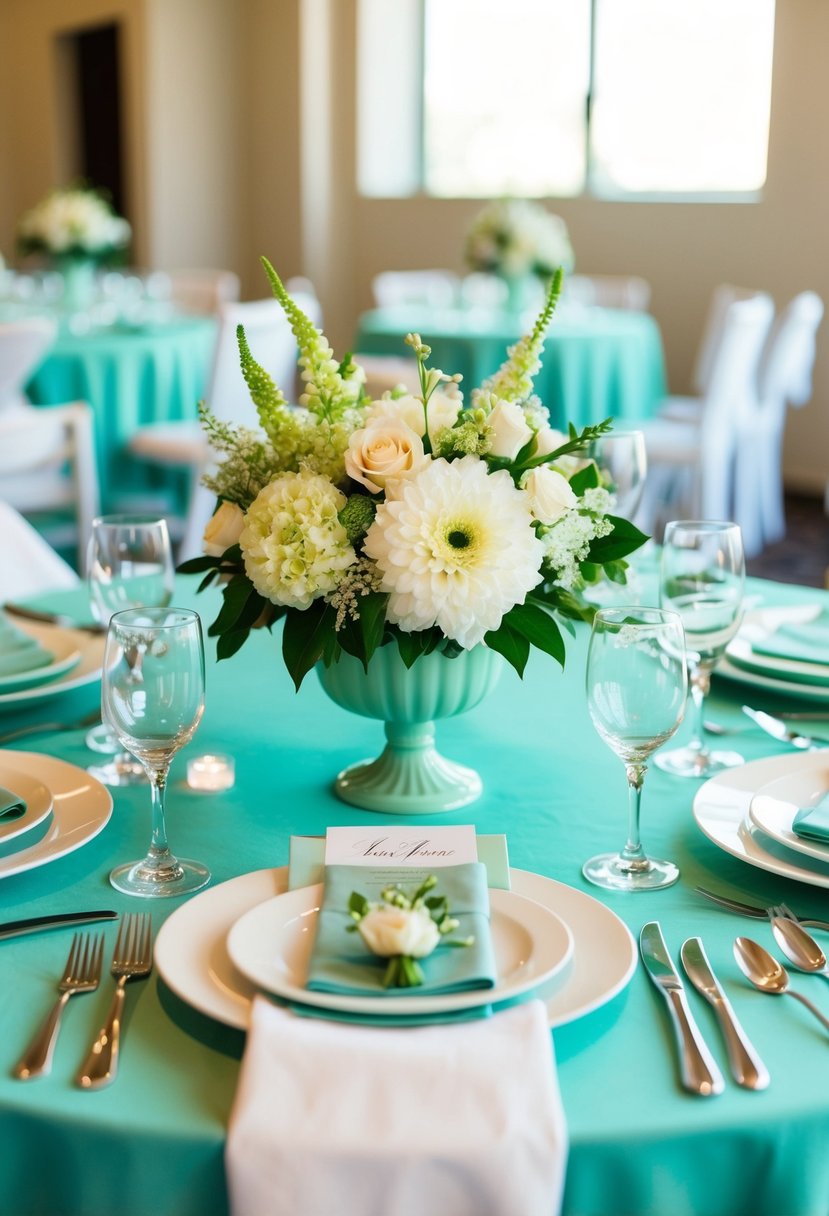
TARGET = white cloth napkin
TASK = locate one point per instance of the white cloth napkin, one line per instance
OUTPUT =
(449, 1120)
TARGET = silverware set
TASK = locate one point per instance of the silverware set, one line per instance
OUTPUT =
(132, 959)
(781, 727)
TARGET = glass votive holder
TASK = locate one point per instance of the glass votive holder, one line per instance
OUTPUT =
(211, 773)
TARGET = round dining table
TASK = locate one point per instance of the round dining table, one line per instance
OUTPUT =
(597, 362)
(153, 1141)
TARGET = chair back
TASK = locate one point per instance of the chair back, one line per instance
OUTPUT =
(429, 288)
(203, 292)
(23, 345)
(722, 297)
(786, 367)
(608, 291)
(28, 565)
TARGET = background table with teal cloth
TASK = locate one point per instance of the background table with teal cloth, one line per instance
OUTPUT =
(130, 376)
(153, 1142)
(597, 362)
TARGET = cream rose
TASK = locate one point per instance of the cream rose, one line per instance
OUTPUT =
(549, 493)
(547, 440)
(224, 529)
(388, 931)
(510, 430)
(384, 451)
(443, 411)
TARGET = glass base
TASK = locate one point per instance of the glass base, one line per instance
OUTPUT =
(150, 880)
(101, 739)
(694, 762)
(616, 873)
(122, 769)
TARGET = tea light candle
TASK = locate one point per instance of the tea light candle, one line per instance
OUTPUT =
(211, 773)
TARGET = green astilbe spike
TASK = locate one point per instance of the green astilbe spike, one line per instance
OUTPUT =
(514, 379)
(266, 395)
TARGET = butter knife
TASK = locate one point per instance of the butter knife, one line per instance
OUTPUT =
(34, 924)
(52, 618)
(746, 1066)
(698, 1070)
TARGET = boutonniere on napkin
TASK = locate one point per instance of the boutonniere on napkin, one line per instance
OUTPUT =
(404, 928)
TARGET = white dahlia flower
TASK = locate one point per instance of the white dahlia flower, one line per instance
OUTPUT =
(294, 546)
(456, 549)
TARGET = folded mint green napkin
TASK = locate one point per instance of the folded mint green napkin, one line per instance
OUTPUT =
(341, 961)
(19, 652)
(812, 822)
(12, 806)
(805, 642)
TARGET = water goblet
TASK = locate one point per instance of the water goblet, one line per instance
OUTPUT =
(637, 687)
(702, 576)
(622, 461)
(129, 565)
(153, 698)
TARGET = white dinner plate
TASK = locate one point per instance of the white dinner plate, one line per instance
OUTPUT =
(87, 669)
(775, 805)
(760, 625)
(721, 809)
(271, 946)
(81, 807)
(192, 958)
(35, 794)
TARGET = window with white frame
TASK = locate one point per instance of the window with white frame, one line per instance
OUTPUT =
(555, 98)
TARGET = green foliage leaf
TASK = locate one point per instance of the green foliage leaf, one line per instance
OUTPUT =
(412, 645)
(358, 903)
(197, 565)
(624, 539)
(230, 642)
(586, 479)
(235, 598)
(372, 621)
(538, 626)
(513, 645)
(305, 638)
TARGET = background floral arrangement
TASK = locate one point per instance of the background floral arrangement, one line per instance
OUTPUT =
(518, 237)
(73, 222)
(420, 520)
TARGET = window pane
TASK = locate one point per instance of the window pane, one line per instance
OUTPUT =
(388, 98)
(681, 95)
(504, 96)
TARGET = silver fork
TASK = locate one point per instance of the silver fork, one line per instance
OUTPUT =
(132, 959)
(82, 973)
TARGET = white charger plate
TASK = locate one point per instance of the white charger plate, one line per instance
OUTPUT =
(81, 808)
(781, 688)
(85, 671)
(721, 809)
(36, 795)
(271, 945)
(760, 625)
(775, 805)
(191, 947)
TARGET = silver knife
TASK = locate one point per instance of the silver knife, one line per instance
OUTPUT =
(52, 618)
(747, 1068)
(16, 928)
(778, 729)
(698, 1070)
(758, 913)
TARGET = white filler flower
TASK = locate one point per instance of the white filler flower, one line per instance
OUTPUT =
(294, 546)
(456, 549)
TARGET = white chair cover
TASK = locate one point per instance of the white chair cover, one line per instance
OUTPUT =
(430, 288)
(23, 345)
(203, 292)
(28, 565)
(608, 291)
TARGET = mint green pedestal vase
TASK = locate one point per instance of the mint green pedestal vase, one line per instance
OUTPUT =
(410, 777)
(78, 282)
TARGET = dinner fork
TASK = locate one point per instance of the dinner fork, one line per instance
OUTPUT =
(82, 973)
(132, 959)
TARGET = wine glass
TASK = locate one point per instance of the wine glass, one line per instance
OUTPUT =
(637, 687)
(130, 565)
(622, 461)
(153, 698)
(702, 575)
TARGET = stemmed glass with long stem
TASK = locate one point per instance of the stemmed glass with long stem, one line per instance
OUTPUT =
(129, 565)
(702, 576)
(621, 458)
(637, 688)
(153, 698)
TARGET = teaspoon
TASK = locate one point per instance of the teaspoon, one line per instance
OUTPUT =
(799, 947)
(765, 973)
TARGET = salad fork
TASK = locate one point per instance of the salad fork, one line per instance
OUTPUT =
(132, 959)
(82, 973)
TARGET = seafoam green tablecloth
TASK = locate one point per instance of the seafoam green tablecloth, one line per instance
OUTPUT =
(130, 376)
(597, 362)
(153, 1142)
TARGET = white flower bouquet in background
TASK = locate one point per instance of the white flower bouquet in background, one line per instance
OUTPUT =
(73, 223)
(516, 238)
(428, 522)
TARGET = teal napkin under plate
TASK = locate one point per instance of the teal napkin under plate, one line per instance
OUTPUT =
(389, 1019)
(341, 962)
(19, 652)
(812, 822)
(12, 806)
(804, 641)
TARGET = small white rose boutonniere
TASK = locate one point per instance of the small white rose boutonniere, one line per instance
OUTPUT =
(404, 928)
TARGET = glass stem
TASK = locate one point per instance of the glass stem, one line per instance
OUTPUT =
(633, 855)
(700, 681)
(158, 787)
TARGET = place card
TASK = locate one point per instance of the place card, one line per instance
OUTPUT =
(307, 858)
(400, 847)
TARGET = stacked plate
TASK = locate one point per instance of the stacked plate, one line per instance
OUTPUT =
(782, 650)
(749, 813)
(252, 934)
(63, 659)
(65, 808)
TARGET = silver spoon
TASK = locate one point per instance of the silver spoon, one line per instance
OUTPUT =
(799, 947)
(765, 973)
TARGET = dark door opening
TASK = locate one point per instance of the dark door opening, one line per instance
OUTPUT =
(97, 76)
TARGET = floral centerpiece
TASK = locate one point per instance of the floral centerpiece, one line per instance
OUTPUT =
(428, 523)
(73, 223)
(516, 238)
